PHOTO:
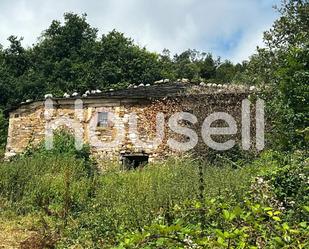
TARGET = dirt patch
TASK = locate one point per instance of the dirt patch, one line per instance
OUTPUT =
(36, 241)
(11, 234)
(19, 233)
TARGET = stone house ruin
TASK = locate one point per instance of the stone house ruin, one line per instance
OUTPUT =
(27, 122)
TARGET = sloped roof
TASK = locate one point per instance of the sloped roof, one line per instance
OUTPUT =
(155, 91)
(152, 91)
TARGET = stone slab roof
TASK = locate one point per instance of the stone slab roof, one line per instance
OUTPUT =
(156, 91)
(145, 92)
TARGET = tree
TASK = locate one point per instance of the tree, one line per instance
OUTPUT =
(16, 57)
(225, 72)
(208, 67)
(130, 63)
(283, 64)
(167, 66)
(186, 64)
(69, 56)
(288, 47)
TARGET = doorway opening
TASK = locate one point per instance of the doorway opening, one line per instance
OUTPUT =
(133, 161)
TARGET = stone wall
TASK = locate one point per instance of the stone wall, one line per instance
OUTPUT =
(27, 123)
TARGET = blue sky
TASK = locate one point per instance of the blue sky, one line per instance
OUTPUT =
(230, 29)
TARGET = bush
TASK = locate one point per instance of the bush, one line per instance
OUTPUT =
(52, 184)
(63, 144)
(54, 181)
(245, 225)
(270, 213)
(289, 184)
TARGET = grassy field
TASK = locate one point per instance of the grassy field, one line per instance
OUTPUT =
(60, 200)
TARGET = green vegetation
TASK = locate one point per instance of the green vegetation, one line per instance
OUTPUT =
(283, 66)
(71, 57)
(231, 200)
(3, 133)
(176, 203)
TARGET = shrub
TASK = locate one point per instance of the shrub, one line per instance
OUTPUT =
(246, 225)
(53, 184)
(63, 144)
(54, 181)
(290, 184)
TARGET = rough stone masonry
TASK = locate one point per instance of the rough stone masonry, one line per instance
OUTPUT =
(27, 121)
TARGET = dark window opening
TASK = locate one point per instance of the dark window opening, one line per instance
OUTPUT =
(133, 161)
(103, 119)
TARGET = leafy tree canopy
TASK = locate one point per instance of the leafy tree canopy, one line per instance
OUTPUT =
(283, 64)
(70, 56)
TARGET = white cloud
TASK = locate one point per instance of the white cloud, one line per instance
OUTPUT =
(174, 24)
(247, 45)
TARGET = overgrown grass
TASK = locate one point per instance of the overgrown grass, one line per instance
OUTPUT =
(97, 210)
(60, 185)
(41, 182)
(137, 196)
